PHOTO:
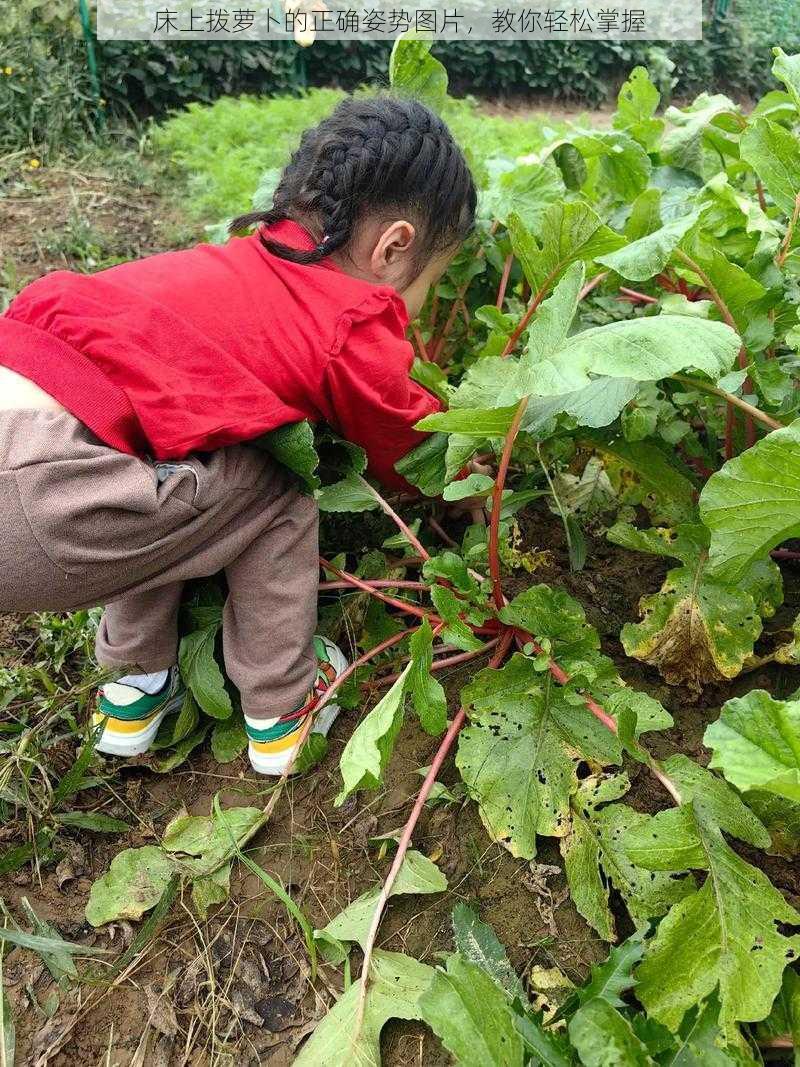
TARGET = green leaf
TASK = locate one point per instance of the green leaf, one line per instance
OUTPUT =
(682, 146)
(133, 884)
(312, 752)
(293, 446)
(614, 976)
(571, 164)
(738, 289)
(228, 739)
(201, 673)
(472, 1017)
(643, 259)
(48, 945)
(637, 104)
(724, 805)
(212, 889)
(784, 1019)
(726, 935)
(527, 191)
(774, 154)
(350, 494)
(603, 1038)
(570, 231)
(781, 817)
(428, 696)
(8, 1033)
(700, 1043)
(477, 943)
(596, 859)
(787, 69)
(450, 607)
(519, 753)
(645, 349)
(94, 821)
(395, 986)
(183, 749)
(554, 614)
(413, 71)
(756, 743)
(624, 166)
(753, 503)
(424, 466)
(472, 485)
(370, 745)
(471, 422)
(596, 404)
(59, 962)
(208, 837)
(645, 216)
(176, 727)
(665, 490)
(417, 876)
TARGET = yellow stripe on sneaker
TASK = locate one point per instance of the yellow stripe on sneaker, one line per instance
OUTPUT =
(281, 744)
(124, 726)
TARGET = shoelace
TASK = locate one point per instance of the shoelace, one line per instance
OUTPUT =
(325, 676)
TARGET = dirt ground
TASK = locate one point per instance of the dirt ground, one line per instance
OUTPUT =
(237, 988)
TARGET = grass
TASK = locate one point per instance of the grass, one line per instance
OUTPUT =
(220, 151)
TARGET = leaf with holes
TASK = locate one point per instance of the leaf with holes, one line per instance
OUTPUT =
(519, 753)
(736, 935)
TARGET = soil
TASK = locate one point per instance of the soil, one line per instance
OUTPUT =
(237, 988)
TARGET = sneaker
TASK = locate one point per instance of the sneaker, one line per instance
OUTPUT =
(273, 741)
(133, 717)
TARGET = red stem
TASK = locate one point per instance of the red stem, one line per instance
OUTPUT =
(447, 661)
(635, 295)
(339, 681)
(497, 504)
(423, 351)
(730, 420)
(501, 292)
(358, 583)
(438, 345)
(379, 583)
(442, 533)
(591, 285)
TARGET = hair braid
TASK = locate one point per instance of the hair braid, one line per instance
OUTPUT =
(370, 155)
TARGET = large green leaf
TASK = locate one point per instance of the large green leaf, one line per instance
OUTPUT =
(413, 71)
(700, 1043)
(526, 191)
(418, 875)
(623, 166)
(473, 422)
(134, 883)
(351, 493)
(596, 860)
(774, 154)
(696, 629)
(682, 146)
(637, 103)
(370, 745)
(201, 673)
(395, 986)
(207, 838)
(293, 446)
(787, 69)
(756, 743)
(753, 503)
(427, 694)
(726, 936)
(604, 1038)
(519, 753)
(472, 1016)
(570, 231)
(645, 349)
(643, 259)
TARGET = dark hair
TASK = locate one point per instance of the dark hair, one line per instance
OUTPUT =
(371, 155)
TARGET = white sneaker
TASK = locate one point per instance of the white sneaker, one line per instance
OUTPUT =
(133, 717)
(273, 741)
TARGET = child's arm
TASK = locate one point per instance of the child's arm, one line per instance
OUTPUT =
(371, 400)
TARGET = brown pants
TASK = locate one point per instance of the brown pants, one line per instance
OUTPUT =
(82, 524)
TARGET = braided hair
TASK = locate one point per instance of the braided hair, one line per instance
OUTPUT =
(372, 155)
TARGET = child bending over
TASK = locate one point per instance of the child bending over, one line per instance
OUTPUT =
(127, 399)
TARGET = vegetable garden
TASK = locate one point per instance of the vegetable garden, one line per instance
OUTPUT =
(617, 352)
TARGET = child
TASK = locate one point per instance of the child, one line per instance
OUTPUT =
(127, 398)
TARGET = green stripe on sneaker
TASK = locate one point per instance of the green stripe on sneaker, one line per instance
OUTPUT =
(142, 708)
(274, 733)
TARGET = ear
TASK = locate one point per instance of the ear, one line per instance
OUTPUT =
(393, 248)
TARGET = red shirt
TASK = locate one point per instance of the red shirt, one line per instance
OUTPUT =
(190, 351)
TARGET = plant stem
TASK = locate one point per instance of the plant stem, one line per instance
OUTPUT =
(723, 308)
(783, 252)
(422, 350)
(713, 390)
(497, 503)
(511, 343)
(411, 537)
(376, 583)
(635, 295)
(358, 583)
(442, 533)
(593, 284)
(437, 346)
(501, 292)
(447, 661)
(405, 837)
(762, 200)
